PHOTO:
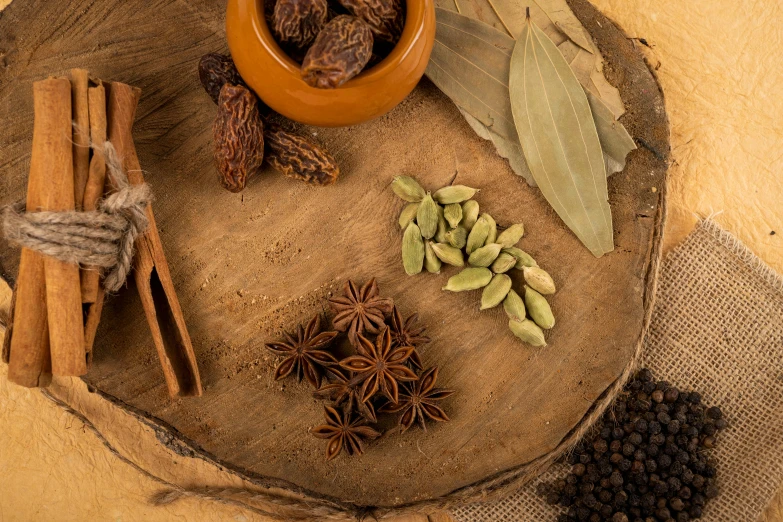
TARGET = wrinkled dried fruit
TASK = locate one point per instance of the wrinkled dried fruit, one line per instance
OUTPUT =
(239, 137)
(383, 16)
(215, 70)
(298, 22)
(299, 158)
(340, 52)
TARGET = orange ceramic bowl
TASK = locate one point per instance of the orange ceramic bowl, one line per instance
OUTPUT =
(276, 78)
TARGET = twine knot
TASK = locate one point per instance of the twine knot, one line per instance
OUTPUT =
(102, 238)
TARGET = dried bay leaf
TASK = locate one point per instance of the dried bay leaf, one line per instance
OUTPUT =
(510, 150)
(559, 137)
(615, 140)
(470, 64)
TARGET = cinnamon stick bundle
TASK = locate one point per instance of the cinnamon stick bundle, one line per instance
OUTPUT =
(52, 333)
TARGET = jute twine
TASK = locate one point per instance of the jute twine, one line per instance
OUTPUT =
(102, 238)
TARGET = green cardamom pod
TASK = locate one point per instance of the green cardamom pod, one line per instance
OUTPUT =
(431, 261)
(495, 291)
(539, 280)
(470, 214)
(408, 214)
(523, 258)
(427, 217)
(440, 234)
(478, 235)
(448, 254)
(454, 194)
(453, 214)
(469, 279)
(492, 233)
(485, 255)
(514, 306)
(538, 308)
(511, 235)
(457, 237)
(408, 189)
(527, 331)
(503, 263)
(412, 250)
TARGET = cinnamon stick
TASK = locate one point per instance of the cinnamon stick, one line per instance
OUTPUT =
(63, 289)
(29, 356)
(96, 182)
(153, 280)
(80, 80)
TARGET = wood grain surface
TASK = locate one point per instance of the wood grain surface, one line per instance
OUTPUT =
(247, 266)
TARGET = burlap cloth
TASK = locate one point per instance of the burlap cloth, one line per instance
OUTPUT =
(717, 327)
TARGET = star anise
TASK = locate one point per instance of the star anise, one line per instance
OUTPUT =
(343, 432)
(360, 310)
(418, 401)
(304, 353)
(346, 390)
(380, 366)
(408, 334)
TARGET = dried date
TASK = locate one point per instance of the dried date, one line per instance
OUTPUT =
(340, 52)
(297, 22)
(215, 70)
(239, 137)
(297, 157)
(384, 17)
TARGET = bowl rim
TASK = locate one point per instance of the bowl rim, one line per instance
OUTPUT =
(413, 29)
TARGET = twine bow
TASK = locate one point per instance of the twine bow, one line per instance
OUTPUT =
(101, 238)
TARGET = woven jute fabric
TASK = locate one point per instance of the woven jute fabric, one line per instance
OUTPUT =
(717, 327)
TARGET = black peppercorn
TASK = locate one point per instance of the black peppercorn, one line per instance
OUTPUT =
(671, 395)
(637, 463)
(682, 516)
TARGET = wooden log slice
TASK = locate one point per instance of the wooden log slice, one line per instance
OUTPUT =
(250, 265)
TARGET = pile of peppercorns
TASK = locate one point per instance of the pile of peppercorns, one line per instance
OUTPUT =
(646, 461)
